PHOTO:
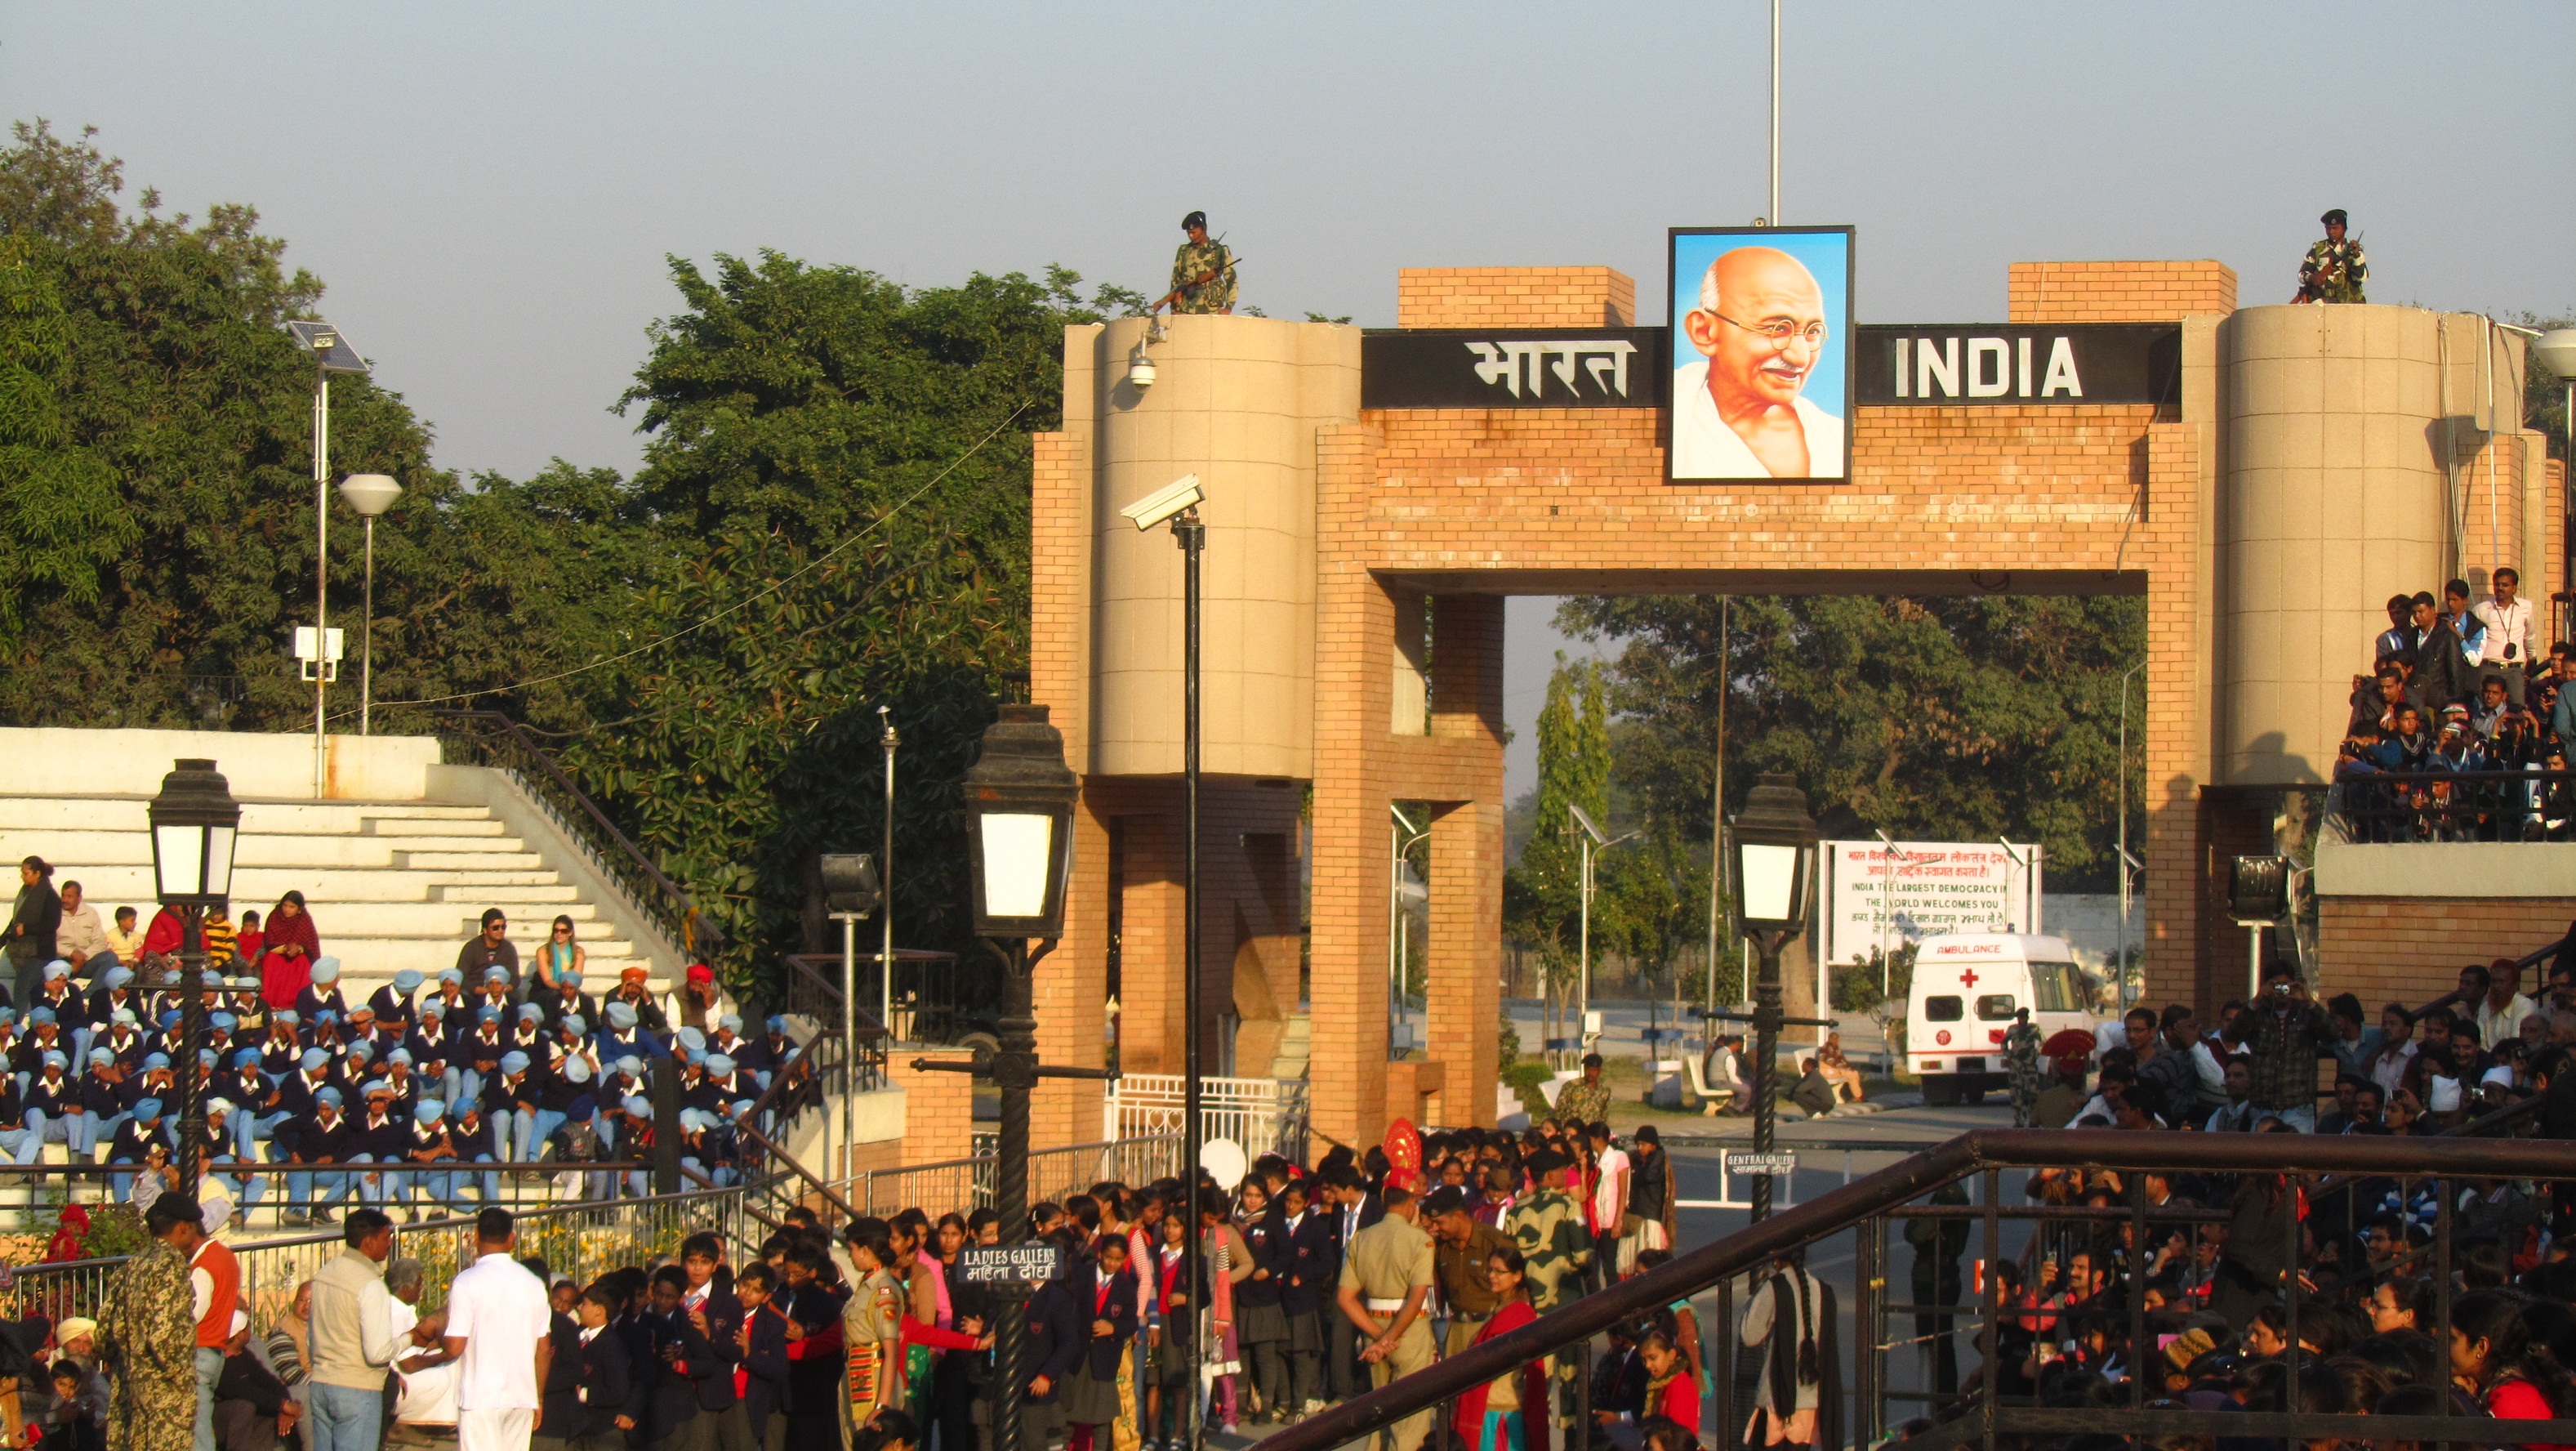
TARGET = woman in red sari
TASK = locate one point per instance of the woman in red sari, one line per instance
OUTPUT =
(288, 946)
(1490, 1417)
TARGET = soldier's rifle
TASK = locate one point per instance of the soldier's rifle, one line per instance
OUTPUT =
(1195, 283)
(2311, 289)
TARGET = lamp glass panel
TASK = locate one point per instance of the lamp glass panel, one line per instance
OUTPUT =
(178, 854)
(1768, 881)
(1016, 849)
(219, 860)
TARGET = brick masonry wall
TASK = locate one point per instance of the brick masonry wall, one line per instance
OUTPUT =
(1514, 297)
(938, 1108)
(2048, 292)
(2411, 949)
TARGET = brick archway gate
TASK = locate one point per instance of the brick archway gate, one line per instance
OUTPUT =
(1332, 523)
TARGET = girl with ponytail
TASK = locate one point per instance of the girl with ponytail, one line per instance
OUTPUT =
(2494, 1359)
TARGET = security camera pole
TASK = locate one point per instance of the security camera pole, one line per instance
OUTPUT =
(1178, 504)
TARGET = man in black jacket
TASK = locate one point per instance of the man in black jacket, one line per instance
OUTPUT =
(1056, 1341)
(1349, 1208)
(761, 1342)
(2441, 672)
(253, 1408)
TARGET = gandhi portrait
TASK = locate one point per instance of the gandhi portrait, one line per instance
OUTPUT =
(1742, 411)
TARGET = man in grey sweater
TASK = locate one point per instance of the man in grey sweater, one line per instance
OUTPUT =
(353, 1339)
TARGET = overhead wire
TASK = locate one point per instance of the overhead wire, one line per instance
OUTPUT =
(774, 587)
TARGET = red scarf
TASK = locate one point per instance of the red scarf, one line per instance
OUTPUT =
(1470, 1420)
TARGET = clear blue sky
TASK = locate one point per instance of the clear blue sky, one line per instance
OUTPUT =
(490, 189)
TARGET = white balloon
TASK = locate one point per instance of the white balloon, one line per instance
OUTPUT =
(1224, 1161)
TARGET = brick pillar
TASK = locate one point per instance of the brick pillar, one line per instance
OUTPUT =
(1150, 1034)
(1466, 947)
(938, 1108)
(1356, 628)
(1070, 992)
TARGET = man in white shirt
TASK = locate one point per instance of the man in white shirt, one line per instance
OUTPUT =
(1741, 413)
(1609, 1204)
(498, 1319)
(2501, 1011)
(2507, 618)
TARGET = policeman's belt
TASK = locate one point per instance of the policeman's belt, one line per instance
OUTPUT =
(1384, 1307)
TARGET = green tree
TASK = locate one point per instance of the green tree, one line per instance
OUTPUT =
(1543, 895)
(1948, 718)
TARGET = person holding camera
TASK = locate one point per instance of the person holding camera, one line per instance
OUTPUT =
(2290, 1033)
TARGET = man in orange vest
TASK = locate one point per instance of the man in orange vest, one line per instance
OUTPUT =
(214, 1284)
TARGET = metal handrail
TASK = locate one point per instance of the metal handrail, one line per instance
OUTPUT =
(1693, 1271)
(677, 911)
(2364, 803)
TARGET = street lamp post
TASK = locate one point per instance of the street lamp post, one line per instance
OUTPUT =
(1594, 840)
(1019, 848)
(370, 495)
(195, 822)
(1775, 869)
(885, 877)
(850, 892)
(331, 354)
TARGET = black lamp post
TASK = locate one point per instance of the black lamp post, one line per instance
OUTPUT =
(1775, 872)
(1019, 847)
(195, 822)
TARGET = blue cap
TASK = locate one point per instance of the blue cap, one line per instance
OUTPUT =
(431, 1009)
(568, 978)
(741, 1106)
(57, 970)
(692, 1038)
(487, 1014)
(323, 1017)
(124, 1017)
(514, 1061)
(102, 1055)
(407, 981)
(621, 1015)
(376, 1086)
(326, 969)
(719, 1064)
(205, 1059)
(573, 1024)
(630, 1065)
(577, 1069)
(360, 1051)
(155, 1060)
(636, 1107)
(582, 1109)
(328, 1096)
(313, 1058)
(8, 1016)
(224, 1021)
(691, 1121)
(362, 1007)
(147, 1108)
(169, 1019)
(39, 1015)
(495, 974)
(54, 1059)
(695, 1057)
(288, 1016)
(531, 1012)
(117, 977)
(778, 1022)
(428, 1111)
(246, 1058)
(399, 1055)
(730, 1022)
(450, 974)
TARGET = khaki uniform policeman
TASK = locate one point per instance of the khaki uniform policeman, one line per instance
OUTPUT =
(1386, 1284)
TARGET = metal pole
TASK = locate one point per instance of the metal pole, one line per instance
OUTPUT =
(192, 1034)
(367, 639)
(321, 573)
(1191, 535)
(849, 1046)
(1015, 1072)
(1583, 990)
(1775, 112)
(1766, 1055)
(2120, 855)
(885, 879)
(1717, 812)
(2253, 961)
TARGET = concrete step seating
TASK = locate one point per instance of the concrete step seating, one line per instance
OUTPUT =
(391, 885)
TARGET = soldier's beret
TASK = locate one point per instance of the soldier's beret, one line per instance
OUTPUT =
(2335, 218)
(1194, 219)
(1447, 1199)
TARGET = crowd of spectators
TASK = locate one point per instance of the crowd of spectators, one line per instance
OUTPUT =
(316, 1095)
(2458, 704)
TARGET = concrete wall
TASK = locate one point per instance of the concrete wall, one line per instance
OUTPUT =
(517, 811)
(75, 762)
(2370, 452)
(1237, 403)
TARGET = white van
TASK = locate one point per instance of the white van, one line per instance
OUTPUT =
(1967, 986)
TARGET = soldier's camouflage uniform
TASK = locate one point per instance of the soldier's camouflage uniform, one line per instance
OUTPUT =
(147, 1341)
(2334, 271)
(1547, 1227)
(1194, 261)
(2022, 1061)
(1582, 1103)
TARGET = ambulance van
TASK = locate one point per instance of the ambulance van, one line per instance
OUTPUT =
(1967, 986)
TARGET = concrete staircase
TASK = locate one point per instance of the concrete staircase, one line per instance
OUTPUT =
(391, 884)
(1295, 1048)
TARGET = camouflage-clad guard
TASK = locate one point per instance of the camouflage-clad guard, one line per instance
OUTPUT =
(1547, 1227)
(2334, 269)
(1587, 1099)
(2021, 1060)
(147, 1338)
(1202, 271)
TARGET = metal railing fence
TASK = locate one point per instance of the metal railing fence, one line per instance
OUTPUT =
(960, 1185)
(929, 1002)
(2442, 806)
(1263, 1115)
(33, 1196)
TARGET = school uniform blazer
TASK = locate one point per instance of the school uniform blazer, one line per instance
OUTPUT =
(1312, 1260)
(1057, 1334)
(764, 1362)
(712, 1369)
(589, 1386)
(673, 1399)
(1085, 1283)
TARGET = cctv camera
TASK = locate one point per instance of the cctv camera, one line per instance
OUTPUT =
(1180, 494)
